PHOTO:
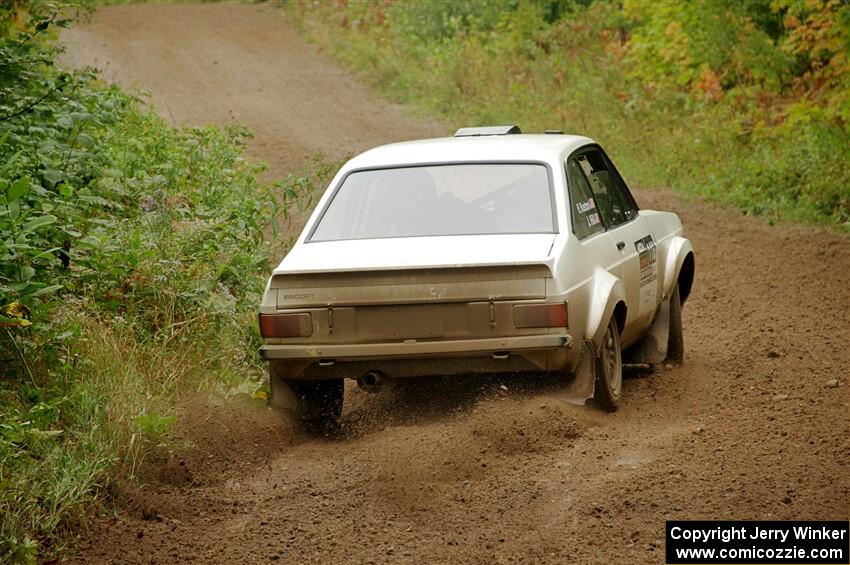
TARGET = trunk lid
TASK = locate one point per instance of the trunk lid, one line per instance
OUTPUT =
(417, 253)
(415, 288)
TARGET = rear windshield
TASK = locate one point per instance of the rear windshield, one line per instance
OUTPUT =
(457, 199)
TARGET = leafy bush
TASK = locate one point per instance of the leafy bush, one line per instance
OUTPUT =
(138, 252)
(744, 102)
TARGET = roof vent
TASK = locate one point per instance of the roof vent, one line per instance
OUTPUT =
(554, 131)
(487, 130)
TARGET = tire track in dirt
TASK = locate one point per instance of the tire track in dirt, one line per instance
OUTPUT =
(461, 470)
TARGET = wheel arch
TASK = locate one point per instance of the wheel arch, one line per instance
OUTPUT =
(619, 313)
(685, 280)
(679, 267)
(608, 300)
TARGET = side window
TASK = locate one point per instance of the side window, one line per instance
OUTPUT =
(585, 214)
(615, 203)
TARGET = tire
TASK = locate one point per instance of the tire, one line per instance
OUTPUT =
(318, 404)
(675, 341)
(609, 370)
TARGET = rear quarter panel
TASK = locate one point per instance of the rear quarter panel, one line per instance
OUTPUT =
(673, 247)
(587, 275)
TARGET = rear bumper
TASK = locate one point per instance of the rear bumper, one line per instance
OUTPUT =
(400, 350)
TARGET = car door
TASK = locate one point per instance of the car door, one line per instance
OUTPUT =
(629, 233)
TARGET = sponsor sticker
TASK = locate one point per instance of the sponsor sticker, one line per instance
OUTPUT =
(586, 206)
(648, 254)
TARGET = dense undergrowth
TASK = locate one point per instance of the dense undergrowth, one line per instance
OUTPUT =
(747, 103)
(132, 258)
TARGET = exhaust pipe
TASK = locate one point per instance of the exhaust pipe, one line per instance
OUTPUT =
(372, 381)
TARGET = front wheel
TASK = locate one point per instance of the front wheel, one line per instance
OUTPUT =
(316, 403)
(609, 370)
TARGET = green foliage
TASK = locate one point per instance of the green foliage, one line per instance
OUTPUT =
(747, 103)
(139, 253)
(153, 426)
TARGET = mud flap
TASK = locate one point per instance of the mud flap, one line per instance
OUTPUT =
(581, 387)
(283, 398)
(652, 348)
(308, 400)
(304, 400)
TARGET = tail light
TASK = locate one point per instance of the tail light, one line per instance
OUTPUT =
(541, 315)
(286, 325)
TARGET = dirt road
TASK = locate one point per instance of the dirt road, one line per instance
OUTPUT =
(465, 471)
(230, 63)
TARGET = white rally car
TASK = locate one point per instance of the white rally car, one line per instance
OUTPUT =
(487, 252)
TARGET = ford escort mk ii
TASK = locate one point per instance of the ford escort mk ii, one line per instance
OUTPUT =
(488, 252)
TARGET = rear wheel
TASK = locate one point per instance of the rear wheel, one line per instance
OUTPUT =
(609, 370)
(316, 403)
(675, 341)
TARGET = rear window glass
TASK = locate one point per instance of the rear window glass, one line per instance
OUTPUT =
(434, 200)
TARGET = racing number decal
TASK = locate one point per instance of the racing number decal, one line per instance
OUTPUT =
(648, 255)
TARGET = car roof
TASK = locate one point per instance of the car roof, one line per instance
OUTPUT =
(514, 147)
